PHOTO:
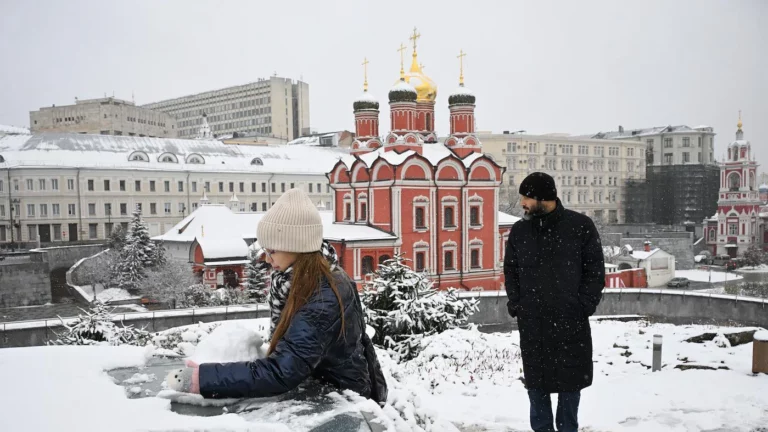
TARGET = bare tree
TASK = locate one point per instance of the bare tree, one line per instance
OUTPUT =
(610, 239)
(96, 271)
(168, 283)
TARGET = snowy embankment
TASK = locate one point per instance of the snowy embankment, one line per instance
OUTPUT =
(462, 380)
(704, 276)
(105, 295)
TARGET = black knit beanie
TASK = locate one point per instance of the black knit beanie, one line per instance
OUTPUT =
(539, 186)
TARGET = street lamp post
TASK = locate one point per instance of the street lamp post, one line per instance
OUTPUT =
(14, 203)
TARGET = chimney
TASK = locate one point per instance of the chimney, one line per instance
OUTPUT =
(647, 246)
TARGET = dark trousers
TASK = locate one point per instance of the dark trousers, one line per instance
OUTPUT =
(567, 411)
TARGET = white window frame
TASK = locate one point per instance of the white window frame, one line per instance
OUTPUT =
(55, 184)
(474, 201)
(30, 184)
(454, 203)
(477, 245)
(31, 211)
(43, 210)
(362, 199)
(449, 246)
(423, 203)
(348, 200)
(421, 247)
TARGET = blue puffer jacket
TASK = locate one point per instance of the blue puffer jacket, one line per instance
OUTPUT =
(312, 346)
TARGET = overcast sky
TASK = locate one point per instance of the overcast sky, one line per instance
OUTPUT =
(543, 66)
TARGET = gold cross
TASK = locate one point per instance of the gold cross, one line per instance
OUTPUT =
(365, 72)
(416, 35)
(461, 56)
(402, 60)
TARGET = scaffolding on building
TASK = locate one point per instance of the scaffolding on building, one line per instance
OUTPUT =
(672, 195)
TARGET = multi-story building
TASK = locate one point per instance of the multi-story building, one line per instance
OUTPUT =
(105, 116)
(738, 223)
(275, 106)
(73, 187)
(670, 145)
(681, 175)
(590, 173)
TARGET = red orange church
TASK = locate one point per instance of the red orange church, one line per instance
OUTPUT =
(435, 203)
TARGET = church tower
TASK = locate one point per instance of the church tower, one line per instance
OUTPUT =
(366, 109)
(738, 206)
(461, 104)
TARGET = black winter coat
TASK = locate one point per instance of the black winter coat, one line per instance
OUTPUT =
(554, 274)
(312, 346)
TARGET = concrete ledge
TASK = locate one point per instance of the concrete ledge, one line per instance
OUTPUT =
(677, 306)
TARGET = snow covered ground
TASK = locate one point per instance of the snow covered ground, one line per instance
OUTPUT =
(463, 380)
(762, 268)
(703, 276)
(106, 295)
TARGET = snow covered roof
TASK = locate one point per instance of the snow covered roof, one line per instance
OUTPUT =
(433, 152)
(461, 90)
(143, 153)
(507, 219)
(642, 255)
(365, 97)
(631, 133)
(237, 227)
(403, 86)
(13, 130)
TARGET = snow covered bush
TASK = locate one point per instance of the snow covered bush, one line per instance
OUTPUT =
(179, 341)
(403, 307)
(96, 328)
(168, 283)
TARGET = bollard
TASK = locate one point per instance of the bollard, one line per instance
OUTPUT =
(760, 352)
(656, 353)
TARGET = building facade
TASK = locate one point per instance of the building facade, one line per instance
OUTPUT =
(590, 173)
(439, 201)
(277, 107)
(105, 116)
(737, 225)
(670, 145)
(72, 187)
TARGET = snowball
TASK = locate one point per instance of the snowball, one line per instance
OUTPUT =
(229, 343)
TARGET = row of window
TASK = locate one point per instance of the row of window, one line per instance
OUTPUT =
(122, 186)
(53, 232)
(419, 215)
(567, 149)
(685, 157)
(685, 142)
(532, 162)
(226, 106)
(449, 259)
(582, 197)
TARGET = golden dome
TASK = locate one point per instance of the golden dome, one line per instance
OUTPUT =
(426, 89)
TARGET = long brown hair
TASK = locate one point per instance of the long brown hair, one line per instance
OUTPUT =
(309, 270)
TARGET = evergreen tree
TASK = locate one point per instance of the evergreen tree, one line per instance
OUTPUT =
(403, 306)
(159, 260)
(138, 234)
(137, 253)
(257, 277)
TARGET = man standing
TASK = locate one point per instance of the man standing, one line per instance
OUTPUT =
(554, 273)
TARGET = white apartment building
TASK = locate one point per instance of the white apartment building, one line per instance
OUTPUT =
(589, 173)
(671, 145)
(275, 106)
(73, 187)
(105, 116)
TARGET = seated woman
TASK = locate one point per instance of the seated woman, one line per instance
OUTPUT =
(317, 327)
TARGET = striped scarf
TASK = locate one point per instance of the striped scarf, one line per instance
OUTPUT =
(281, 286)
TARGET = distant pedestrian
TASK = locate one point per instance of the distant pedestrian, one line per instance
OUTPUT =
(554, 273)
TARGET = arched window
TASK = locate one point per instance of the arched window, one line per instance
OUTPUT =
(168, 158)
(383, 259)
(195, 159)
(734, 181)
(367, 264)
(257, 161)
(138, 156)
